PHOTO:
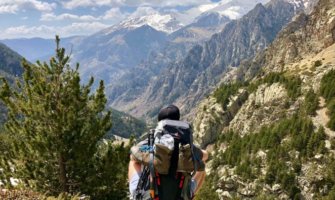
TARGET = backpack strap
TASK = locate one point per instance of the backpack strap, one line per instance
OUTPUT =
(153, 189)
(147, 171)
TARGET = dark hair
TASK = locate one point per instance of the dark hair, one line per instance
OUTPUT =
(169, 112)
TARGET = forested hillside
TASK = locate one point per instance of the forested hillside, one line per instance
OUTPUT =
(10, 68)
(10, 62)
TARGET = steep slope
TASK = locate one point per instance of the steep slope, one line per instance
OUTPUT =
(10, 62)
(125, 125)
(201, 29)
(182, 40)
(268, 139)
(188, 81)
(10, 68)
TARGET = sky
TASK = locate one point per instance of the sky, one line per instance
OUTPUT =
(46, 18)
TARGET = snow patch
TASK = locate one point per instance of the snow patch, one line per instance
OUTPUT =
(165, 23)
(235, 9)
(233, 12)
(298, 4)
(204, 8)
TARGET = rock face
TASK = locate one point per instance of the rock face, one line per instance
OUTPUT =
(212, 118)
(186, 82)
(298, 51)
(263, 107)
(305, 36)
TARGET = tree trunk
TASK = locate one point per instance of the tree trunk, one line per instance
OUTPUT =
(62, 174)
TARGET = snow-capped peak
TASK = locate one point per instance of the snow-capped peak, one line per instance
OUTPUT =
(305, 4)
(161, 22)
(166, 23)
(233, 9)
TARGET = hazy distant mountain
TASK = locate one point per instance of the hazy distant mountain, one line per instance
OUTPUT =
(38, 48)
(195, 33)
(107, 54)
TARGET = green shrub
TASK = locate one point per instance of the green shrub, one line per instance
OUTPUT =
(291, 83)
(327, 86)
(317, 63)
(311, 102)
(208, 189)
(224, 92)
(327, 90)
(331, 113)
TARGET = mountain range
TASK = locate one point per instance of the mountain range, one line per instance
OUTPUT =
(137, 40)
(187, 80)
(149, 61)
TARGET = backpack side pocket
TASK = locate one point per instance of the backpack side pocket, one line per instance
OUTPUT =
(185, 161)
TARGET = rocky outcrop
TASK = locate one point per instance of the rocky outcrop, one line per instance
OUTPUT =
(306, 36)
(212, 118)
(265, 106)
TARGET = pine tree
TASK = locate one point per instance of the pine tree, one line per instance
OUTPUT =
(57, 125)
(311, 102)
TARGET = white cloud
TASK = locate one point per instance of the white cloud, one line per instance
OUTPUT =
(13, 6)
(67, 16)
(89, 3)
(50, 31)
(71, 4)
(84, 27)
(114, 14)
(8, 8)
(206, 7)
(142, 11)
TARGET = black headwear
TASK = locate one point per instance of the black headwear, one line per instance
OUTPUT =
(169, 112)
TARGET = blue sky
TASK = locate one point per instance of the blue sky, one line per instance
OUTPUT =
(45, 18)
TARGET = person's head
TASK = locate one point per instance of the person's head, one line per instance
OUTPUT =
(170, 112)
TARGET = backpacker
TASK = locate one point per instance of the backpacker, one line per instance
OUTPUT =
(169, 159)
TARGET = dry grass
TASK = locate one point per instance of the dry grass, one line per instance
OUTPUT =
(6, 194)
(20, 195)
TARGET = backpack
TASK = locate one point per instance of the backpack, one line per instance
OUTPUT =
(168, 158)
